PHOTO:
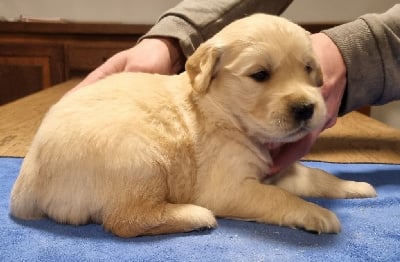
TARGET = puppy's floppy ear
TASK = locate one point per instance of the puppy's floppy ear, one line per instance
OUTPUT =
(202, 66)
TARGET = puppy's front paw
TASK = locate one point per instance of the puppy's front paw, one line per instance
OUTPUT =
(315, 219)
(359, 190)
(322, 221)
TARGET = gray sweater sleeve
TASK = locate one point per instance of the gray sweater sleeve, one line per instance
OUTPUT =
(194, 21)
(370, 47)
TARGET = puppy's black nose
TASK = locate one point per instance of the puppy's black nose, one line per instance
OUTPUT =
(303, 111)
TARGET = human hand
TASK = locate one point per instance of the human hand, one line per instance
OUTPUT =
(334, 73)
(151, 55)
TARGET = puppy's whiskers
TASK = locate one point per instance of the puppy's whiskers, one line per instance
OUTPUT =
(279, 122)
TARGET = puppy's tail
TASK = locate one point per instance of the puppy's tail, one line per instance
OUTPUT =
(23, 201)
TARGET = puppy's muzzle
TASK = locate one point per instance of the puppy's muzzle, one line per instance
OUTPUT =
(303, 111)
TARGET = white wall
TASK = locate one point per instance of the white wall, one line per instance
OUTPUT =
(118, 11)
(320, 11)
(147, 12)
(389, 113)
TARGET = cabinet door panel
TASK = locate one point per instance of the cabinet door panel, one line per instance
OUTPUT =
(20, 76)
(84, 57)
(28, 68)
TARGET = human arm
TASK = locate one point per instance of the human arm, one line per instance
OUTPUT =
(370, 47)
(178, 32)
(193, 22)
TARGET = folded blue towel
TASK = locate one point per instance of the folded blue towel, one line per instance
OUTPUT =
(370, 231)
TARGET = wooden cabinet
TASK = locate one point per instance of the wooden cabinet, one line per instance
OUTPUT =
(26, 68)
(34, 56)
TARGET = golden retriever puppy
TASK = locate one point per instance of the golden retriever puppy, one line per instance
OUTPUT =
(146, 154)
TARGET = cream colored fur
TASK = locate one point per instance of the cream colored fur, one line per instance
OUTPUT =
(150, 154)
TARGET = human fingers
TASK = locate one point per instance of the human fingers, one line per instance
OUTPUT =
(113, 65)
(153, 55)
(288, 153)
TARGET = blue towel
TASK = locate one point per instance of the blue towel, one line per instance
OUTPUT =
(370, 231)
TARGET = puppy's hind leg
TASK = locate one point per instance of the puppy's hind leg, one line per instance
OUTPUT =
(23, 202)
(162, 218)
(312, 182)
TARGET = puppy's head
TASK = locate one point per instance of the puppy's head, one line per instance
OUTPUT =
(261, 73)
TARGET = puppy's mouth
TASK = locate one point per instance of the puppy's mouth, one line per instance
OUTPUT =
(298, 132)
(274, 148)
(289, 137)
(273, 145)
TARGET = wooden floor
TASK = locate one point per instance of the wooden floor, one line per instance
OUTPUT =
(355, 138)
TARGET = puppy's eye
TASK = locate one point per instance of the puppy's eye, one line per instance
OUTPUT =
(261, 76)
(308, 68)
